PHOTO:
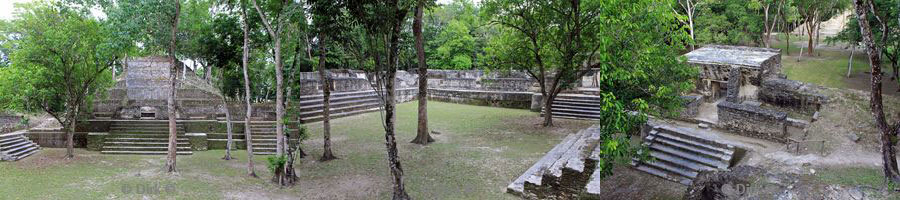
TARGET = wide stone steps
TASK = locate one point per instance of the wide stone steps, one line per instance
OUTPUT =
(263, 138)
(341, 105)
(318, 105)
(680, 155)
(144, 137)
(570, 106)
(319, 97)
(339, 115)
(564, 171)
(340, 110)
(16, 146)
(148, 152)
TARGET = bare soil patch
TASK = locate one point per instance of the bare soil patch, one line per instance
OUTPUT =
(627, 183)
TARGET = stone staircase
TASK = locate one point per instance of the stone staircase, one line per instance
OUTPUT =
(576, 106)
(679, 155)
(264, 137)
(145, 137)
(342, 105)
(565, 171)
(15, 146)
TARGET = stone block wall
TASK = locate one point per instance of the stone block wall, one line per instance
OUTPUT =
(57, 139)
(753, 121)
(144, 87)
(791, 93)
(512, 81)
(691, 106)
(9, 123)
(483, 98)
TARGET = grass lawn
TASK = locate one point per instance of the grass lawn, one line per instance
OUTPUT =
(479, 151)
(828, 68)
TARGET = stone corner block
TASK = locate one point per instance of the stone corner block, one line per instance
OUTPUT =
(198, 141)
(95, 140)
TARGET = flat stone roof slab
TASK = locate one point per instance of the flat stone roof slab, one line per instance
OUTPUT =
(732, 55)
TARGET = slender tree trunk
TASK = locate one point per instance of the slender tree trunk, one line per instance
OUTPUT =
(389, 108)
(787, 43)
(818, 32)
(248, 139)
(279, 99)
(691, 8)
(275, 33)
(810, 30)
(228, 124)
(422, 135)
(850, 64)
(548, 110)
(326, 101)
(767, 30)
(888, 133)
(173, 131)
(70, 135)
(208, 72)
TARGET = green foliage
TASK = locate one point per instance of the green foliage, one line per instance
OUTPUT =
(888, 10)
(276, 162)
(303, 132)
(451, 33)
(59, 60)
(632, 46)
(24, 122)
(736, 22)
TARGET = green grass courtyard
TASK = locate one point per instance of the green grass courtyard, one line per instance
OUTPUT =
(478, 152)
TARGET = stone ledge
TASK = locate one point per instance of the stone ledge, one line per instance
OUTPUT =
(753, 121)
(198, 141)
(95, 140)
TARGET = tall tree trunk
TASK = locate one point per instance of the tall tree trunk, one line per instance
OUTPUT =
(279, 99)
(810, 30)
(767, 31)
(228, 125)
(691, 8)
(389, 107)
(548, 110)
(248, 139)
(275, 33)
(422, 135)
(208, 72)
(70, 135)
(888, 133)
(787, 33)
(326, 101)
(173, 131)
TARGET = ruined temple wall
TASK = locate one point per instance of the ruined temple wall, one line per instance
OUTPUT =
(509, 89)
(9, 123)
(791, 93)
(144, 87)
(691, 106)
(753, 121)
(503, 89)
(482, 98)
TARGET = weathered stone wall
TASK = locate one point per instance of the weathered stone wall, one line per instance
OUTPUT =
(753, 121)
(500, 89)
(342, 81)
(691, 106)
(483, 98)
(512, 81)
(57, 139)
(719, 63)
(9, 123)
(734, 85)
(144, 87)
(791, 93)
